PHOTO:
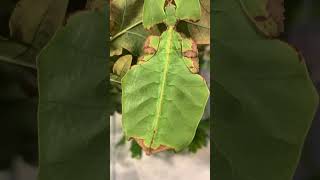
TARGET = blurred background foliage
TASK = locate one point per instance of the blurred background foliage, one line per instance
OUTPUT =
(303, 31)
(25, 28)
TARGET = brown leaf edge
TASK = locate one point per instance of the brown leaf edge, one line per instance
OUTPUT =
(148, 150)
(275, 9)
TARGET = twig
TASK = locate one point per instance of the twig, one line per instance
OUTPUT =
(125, 30)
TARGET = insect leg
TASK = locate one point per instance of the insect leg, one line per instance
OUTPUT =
(150, 48)
(190, 55)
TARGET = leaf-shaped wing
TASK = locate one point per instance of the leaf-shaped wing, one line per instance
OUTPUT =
(188, 10)
(153, 12)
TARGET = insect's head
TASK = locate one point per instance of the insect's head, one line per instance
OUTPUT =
(170, 11)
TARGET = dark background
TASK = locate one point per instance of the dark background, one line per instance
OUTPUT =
(303, 31)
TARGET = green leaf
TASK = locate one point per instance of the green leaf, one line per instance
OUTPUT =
(162, 101)
(188, 10)
(230, 11)
(126, 26)
(18, 101)
(201, 137)
(264, 101)
(73, 104)
(123, 14)
(13, 53)
(35, 22)
(131, 40)
(267, 15)
(115, 80)
(122, 65)
(115, 52)
(136, 151)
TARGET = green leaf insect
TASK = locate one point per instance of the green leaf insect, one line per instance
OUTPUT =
(163, 97)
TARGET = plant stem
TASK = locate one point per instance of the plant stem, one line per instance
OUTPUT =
(202, 26)
(112, 80)
(125, 30)
(17, 62)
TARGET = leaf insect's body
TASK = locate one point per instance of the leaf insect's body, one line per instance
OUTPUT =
(163, 97)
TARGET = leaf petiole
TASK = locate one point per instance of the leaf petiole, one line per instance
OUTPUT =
(125, 30)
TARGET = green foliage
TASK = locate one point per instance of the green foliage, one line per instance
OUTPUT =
(28, 27)
(122, 65)
(266, 15)
(34, 23)
(136, 151)
(13, 53)
(264, 100)
(73, 104)
(200, 139)
(31, 25)
(126, 26)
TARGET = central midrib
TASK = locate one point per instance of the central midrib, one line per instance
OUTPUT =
(163, 82)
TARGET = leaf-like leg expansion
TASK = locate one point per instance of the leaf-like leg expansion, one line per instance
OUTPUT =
(144, 58)
(190, 55)
(150, 48)
(192, 64)
(151, 44)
